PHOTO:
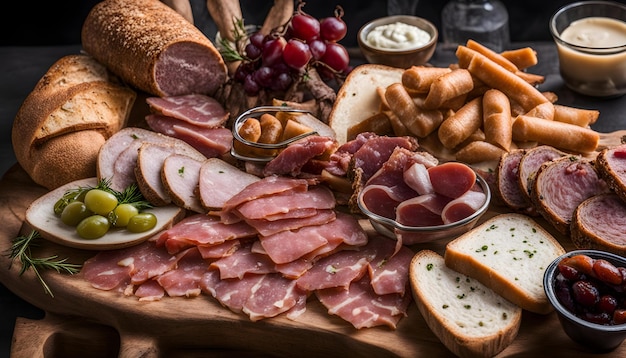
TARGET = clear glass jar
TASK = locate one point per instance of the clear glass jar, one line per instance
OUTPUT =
(484, 21)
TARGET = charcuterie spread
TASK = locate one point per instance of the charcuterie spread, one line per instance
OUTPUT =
(254, 169)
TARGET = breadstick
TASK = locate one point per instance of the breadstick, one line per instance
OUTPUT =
(448, 86)
(399, 129)
(531, 78)
(378, 123)
(544, 110)
(271, 129)
(522, 58)
(497, 119)
(512, 85)
(418, 121)
(577, 116)
(476, 152)
(492, 55)
(458, 127)
(417, 79)
(557, 134)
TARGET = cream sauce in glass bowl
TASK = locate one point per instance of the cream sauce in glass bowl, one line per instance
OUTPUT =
(397, 36)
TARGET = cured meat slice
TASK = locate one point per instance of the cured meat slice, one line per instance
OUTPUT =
(164, 54)
(184, 279)
(337, 270)
(287, 246)
(199, 230)
(273, 295)
(423, 210)
(417, 178)
(267, 186)
(220, 181)
(381, 200)
(376, 151)
(529, 165)
(463, 206)
(611, 166)
(149, 291)
(268, 228)
(317, 197)
(561, 185)
(292, 159)
(180, 175)
(389, 269)
(231, 293)
(219, 250)
(242, 262)
(196, 109)
(211, 142)
(452, 179)
(362, 307)
(508, 185)
(598, 223)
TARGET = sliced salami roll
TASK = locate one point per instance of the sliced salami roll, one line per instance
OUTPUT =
(561, 185)
(530, 163)
(153, 48)
(611, 166)
(599, 223)
(507, 175)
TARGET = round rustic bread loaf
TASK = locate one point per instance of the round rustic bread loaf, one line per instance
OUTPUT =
(76, 94)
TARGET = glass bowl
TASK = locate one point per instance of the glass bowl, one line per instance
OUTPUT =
(599, 337)
(419, 234)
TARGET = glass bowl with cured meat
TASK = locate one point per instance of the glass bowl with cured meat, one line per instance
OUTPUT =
(588, 291)
(422, 203)
(260, 133)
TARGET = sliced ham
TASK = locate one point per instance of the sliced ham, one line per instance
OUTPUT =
(376, 151)
(463, 207)
(423, 210)
(529, 165)
(598, 223)
(611, 166)
(219, 182)
(184, 280)
(217, 251)
(317, 197)
(200, 110)
(211, 142)
(293, 158)
(200, 229)
(389, 269)
(242, 262)
(150, 291)
(417, 178)
(148, 168)
(381, 200)
(561, 185)
(507, 179)
(180, 175)
(452, 179)
(267, 186)
(362, 307)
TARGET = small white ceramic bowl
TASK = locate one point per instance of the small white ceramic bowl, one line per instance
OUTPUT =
(404, 58)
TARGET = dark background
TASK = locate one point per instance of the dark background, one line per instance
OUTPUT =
(55, 23)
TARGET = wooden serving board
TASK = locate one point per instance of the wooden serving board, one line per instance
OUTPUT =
(83, 321)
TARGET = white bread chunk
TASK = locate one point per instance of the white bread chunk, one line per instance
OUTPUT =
(358, 99)
(470, 319)
(509, 254)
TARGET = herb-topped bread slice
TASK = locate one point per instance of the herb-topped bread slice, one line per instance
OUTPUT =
(509, 254)
(470, 319)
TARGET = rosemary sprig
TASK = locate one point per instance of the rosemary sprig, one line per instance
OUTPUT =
(230, 53)
(21, 251)
(132, 195)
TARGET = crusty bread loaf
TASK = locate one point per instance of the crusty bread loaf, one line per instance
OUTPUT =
(77, 93)
(153, 48)
(509, 254)
(358, 99)
(470, 319)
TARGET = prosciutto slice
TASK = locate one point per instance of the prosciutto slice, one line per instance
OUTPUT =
(197, 109)
(242, 262)
(317, 197)
(291, 159)
(362, 307)
(184, 280)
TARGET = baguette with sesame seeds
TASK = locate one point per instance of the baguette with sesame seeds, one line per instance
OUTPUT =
(509, 254)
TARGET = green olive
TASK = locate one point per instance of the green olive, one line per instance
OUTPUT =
(100, 202)
(123, 213)
(142, 222)
(74, 213)
(93, 227)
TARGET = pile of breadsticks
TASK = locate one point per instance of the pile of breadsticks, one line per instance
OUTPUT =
(483, 106)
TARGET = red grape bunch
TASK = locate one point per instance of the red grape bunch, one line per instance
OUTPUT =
(273, 62)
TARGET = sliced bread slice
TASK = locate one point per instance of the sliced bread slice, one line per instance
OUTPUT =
(470, 319)
(358, 99)
(509, 254)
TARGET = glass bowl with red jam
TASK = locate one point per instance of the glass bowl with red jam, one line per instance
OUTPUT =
(588, 291)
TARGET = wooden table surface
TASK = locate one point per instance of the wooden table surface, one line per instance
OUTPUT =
(80, 319)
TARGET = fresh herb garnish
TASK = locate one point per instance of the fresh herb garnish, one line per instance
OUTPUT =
(21, 251)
